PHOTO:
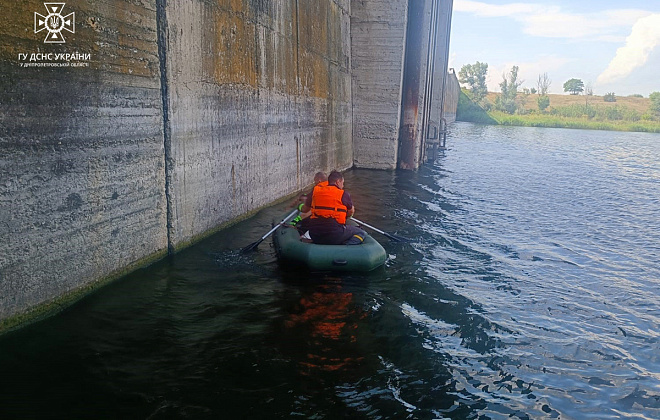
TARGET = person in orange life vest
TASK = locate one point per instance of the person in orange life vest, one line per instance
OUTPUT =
(301, 220)
(331, 206)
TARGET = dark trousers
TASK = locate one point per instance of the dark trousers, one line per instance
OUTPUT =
(353, 235)
(329, 232)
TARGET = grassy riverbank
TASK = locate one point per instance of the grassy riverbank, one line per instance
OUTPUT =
(568, 111)
(543, 120)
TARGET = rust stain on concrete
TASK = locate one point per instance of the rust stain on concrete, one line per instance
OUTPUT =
(235, 57)
(313, 48)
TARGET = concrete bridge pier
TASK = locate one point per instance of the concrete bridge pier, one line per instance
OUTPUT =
(401, 86)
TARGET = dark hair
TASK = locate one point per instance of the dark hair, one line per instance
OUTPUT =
(334, 177)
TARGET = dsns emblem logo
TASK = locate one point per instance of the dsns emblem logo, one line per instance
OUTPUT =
(54, 23)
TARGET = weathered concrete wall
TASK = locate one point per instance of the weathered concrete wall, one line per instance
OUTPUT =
(82, 185)
(399, 68)
(452, 90)
(417, 72)
(184, 115)
(445, 97)
(190, 114)
(425, 80)
(378, 32)
(259, 99)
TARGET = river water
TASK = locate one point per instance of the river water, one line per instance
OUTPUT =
(530, 290)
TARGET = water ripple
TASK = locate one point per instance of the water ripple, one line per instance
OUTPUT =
(558, 247)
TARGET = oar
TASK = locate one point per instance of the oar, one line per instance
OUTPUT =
(389, 235)
(253, 245)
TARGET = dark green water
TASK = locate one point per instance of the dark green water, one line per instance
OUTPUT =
(530, 291)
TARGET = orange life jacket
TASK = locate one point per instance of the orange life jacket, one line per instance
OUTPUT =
(326, 202)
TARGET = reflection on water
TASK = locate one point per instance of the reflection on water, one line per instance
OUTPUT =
(327, 317)
(530, 291)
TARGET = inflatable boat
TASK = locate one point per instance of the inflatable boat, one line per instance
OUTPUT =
(291, 250)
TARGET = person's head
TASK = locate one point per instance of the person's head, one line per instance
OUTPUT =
(336, 178)
(320, 177)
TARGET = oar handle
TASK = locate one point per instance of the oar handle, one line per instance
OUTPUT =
(278, 225)
(286, 219)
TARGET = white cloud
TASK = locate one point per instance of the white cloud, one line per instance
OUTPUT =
(602, 25)
(494, 10)
(644, 37)
(553, 22)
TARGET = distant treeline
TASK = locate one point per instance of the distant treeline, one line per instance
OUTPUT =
(585, 116)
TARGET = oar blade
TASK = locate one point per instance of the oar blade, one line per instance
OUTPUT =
(389, 235)
(397, 238)
(251, 247)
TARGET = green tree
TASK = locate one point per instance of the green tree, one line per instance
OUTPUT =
(575, 86)
(543, 85)
(474, 76)
(655, 102)
(506, 101)
(543, 102)
(609, 97)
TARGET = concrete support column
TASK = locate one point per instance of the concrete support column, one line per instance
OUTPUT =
(378, 32)
(443, 86)
(414, 84)
(399, 61)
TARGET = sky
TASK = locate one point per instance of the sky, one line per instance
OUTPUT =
(612, 46)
